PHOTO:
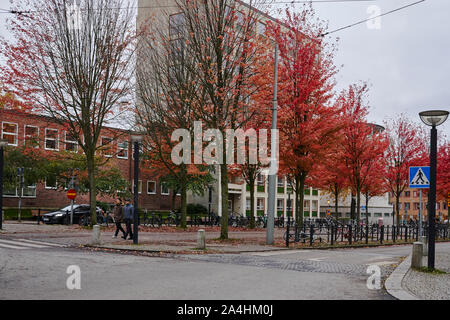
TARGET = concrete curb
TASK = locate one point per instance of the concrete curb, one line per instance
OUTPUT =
(394, 283)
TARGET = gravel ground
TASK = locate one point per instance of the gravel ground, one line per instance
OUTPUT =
(428, 286)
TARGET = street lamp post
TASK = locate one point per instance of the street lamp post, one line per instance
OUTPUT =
(136, 140)
(434, 119)
(3, 144)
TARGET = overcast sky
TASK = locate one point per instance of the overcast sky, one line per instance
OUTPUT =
(406, 61)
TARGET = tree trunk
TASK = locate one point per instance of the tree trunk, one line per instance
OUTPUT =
(358, 205)
(301, 194)
(224, 184)
(352, 207)
(92, 189)
(397, 208)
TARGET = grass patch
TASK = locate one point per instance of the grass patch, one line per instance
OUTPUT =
(430, 271)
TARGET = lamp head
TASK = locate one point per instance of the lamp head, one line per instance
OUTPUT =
(434, 118)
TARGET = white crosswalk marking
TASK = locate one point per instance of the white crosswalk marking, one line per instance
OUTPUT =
(43, 243)
(22, 244)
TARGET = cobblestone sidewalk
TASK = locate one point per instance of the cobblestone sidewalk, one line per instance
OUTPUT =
(428, 286)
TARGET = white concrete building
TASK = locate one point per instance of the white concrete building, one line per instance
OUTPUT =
(379, 207)
(239, 198)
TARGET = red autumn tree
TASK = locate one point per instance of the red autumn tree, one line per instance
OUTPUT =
(307, 124)
(443, 172)
(406, 148)
(363, 145)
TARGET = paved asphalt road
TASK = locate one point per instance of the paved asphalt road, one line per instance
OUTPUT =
(36, 270)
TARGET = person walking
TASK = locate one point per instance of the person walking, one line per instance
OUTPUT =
(118, 218)
(128, 214)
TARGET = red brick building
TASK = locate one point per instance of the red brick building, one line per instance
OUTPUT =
(410, 204)
(19, 128)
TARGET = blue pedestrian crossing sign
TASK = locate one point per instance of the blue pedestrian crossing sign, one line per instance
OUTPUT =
(419, 177)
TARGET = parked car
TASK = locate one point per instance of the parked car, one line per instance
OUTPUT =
(62, 216)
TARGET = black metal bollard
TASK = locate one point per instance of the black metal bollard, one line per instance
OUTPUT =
(382, 235)
(393, 234)
(367, 234)
(406, 233)
(311, 234)
(350, 234)
(332, 235)
(39, 217)
(296, 233)
(287, 232)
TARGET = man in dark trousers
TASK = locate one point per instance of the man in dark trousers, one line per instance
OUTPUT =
(118, 218)
(128, 214)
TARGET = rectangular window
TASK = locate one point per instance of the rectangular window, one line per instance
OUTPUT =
(71, 143)
(122, 149)
(107, 146)
(151, 187)
(314, 205)
(280, 204)
(31, 136)
(247, 204)
(280, 182)
(260, 204)
(260, 180)
(29, 191)
(416, 206)
(261, 28)
(10, 132)
(51, 139)
(306, 204)
(50, 183)
(177, 26)
(164, 189)
(378, 215)
(407, 194)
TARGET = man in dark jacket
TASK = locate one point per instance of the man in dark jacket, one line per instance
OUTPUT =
(128, 214)
(118, 218)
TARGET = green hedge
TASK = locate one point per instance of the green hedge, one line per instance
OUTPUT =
(12, 214)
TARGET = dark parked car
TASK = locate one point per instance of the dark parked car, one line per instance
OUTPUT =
(81, 214)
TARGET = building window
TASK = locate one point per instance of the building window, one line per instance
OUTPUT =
(306, 205)
(31, 136)
(378, 215)
(261, 28)
(164, 189)
(71, 143)
(416, 206)
(408, 194)
(280, 182)
(177, 26)
(260, 180)
(122, 150)
(407, 205)
(260, 204)
(280, 205)
(151, 187)
(107, 147)
(314, 205)
(50, 183)
(10, 132)
(51, 139)
(247, 204)
(29, 191)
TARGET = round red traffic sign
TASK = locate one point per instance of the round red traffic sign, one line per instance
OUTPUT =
(72, 194)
